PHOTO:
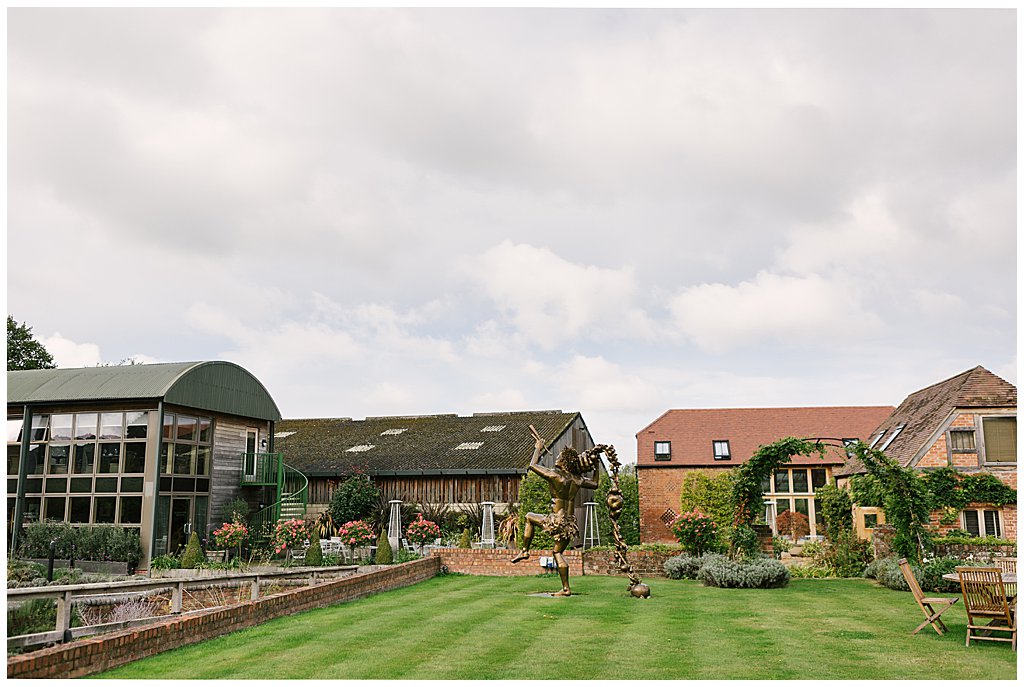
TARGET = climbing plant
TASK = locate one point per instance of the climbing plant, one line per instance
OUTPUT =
(905, 497)
(836, 510)
(748, 478)
(866, 490)
(951, 489)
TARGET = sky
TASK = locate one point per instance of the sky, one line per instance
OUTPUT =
(617, 212)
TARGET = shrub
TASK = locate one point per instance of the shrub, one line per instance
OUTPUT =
(420, 530)
(354, 499)
(847, 555)
(315, 553)
(89, 543)
(760, 573)
(793, 524)
(743, 541)
(810, 570)
(356, 533)
(231, 534)
(38, 615)
(887, 572)
(288, 534)
(23, 572)
(932, 572)
(404, 556)
(165, 562)
(686, 567)
(781, 544)
(695, 531)
(464, 540)
(385, 556)
(836, 510)
(193, 556)
(235, 510)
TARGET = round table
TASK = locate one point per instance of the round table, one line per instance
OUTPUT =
(1008, 577)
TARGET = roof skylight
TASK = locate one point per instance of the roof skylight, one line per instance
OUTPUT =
(282, 435)
(493, 428)
(895, 433)
(469, 446)
(359, 448)
(388, 432)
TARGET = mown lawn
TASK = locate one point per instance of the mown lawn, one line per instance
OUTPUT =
(460, 627)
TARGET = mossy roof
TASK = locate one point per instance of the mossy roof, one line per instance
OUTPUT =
(922, 413)
(484, 443)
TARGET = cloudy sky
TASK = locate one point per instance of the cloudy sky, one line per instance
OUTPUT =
(384, 212)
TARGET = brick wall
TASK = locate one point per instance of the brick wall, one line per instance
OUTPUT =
(659, 491)
(645, 563)
(96, 654)
(498, 562)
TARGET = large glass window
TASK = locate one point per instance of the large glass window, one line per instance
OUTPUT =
(190, 451)
(85, 425)
(800, 482)
(60, 427)
(782, 481)
(818, 478)
(60, 458)
(110, 458)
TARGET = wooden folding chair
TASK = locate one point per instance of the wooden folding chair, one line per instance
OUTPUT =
(1008, 565)
(985, 597)
(927, 603)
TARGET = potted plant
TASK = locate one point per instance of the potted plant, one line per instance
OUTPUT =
(355, 533)
(421, 530)
(231, 535)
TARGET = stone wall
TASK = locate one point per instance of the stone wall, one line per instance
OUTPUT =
(103, 652)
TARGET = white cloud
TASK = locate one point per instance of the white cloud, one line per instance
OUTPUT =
(809, 310)
(551, 300)
(596, 384)
(67, 353)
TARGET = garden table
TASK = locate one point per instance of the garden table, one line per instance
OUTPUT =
(1008, 578)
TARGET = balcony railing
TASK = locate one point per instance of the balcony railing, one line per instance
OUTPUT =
(262, 469)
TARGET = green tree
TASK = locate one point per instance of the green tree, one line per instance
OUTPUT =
(534, 497)
(23, 351)
(193, 555)
(710, 493)
(315, 552)
(385, 556)
(629, 520)
(354, 499)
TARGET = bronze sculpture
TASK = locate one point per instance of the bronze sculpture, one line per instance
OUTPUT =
(565, 481)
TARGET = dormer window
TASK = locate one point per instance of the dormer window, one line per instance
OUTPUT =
(662, 450)
(721, 449)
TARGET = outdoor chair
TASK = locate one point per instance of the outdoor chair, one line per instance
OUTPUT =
(928, 604)
(985, 597)
(1008, 565)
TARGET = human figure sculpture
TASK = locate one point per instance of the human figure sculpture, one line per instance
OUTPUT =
(564, 481)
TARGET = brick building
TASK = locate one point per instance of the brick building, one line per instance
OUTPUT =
(682, 441)
(967, 422)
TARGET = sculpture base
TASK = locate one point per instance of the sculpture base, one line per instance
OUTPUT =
(550, 595)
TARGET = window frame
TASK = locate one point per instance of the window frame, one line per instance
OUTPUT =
(715, 444)
(982, 525)
(663, 455)
(984, 452)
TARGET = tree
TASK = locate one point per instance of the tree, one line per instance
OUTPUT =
(629, 520)
(23, 351)
(354, 499)
(709, 492)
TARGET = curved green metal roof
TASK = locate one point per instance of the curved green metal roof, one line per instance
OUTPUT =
(216, 386)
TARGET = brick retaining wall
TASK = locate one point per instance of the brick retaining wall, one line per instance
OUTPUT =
(103, 652)
(497, 562)
(645, 563)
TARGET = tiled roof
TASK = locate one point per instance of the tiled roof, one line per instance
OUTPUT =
(922, 412)
(429, 444)
(692, 431)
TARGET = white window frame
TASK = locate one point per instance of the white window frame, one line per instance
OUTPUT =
(982, 525)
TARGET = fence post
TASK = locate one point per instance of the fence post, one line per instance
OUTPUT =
(64, 616)
(176, 596)
(254, 591)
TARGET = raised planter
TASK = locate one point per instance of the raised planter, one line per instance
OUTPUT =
(103, 567)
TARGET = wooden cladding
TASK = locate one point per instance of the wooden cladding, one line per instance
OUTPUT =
(432, 489)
